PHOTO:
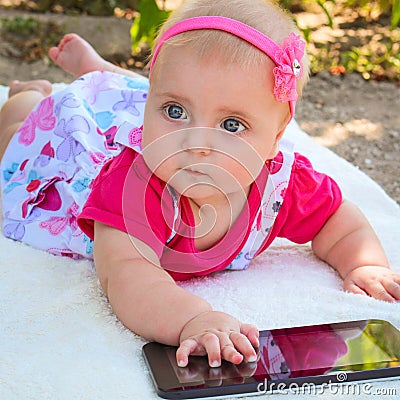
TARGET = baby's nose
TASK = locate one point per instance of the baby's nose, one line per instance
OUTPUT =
(199, 140)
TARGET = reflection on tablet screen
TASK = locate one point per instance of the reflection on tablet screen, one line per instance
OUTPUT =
(302, 352)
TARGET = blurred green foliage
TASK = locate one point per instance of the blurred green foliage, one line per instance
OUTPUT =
(375, 55)
(20, 25)
(106, 7)
(391, 7)
(29, 38)
(145, 26)
(89, 7)
(371, 45)
(377, 59)
(376, 342)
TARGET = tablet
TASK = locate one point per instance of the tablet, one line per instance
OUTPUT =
(298, 359)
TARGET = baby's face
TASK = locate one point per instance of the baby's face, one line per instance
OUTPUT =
(209, 127)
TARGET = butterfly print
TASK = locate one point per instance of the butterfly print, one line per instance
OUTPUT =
(96, 83)
(56, 225)
(16, 230)
(41, 118)
(70, 147)
(130, 98)
(109, 135)
(69, 100)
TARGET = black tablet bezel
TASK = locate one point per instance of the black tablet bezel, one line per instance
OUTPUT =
(166, 382)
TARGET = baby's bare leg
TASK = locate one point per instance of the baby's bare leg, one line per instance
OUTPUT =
(22, 98)
(76, 56)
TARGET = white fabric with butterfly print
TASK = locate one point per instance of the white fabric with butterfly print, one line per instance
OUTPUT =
(51, 161)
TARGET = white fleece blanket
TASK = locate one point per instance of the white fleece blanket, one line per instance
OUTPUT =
(59, 338)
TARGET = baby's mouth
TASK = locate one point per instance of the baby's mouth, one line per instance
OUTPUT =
(194, 171)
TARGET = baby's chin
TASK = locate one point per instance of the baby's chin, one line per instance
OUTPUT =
(204, 188)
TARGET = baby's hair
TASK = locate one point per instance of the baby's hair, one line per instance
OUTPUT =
(263, 15)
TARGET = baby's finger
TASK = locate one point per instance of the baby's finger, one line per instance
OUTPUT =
(353, 288)
(393, 288)
(252, 333)
(243, 346)
(186, 348)
(228, 350)
(211, 345)
(378, 291)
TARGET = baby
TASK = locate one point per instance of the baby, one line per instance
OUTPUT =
(182, 175)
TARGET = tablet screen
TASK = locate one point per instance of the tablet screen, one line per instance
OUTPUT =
(301, 352)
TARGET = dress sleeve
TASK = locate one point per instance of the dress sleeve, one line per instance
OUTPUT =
(311, 198)
(126, 196)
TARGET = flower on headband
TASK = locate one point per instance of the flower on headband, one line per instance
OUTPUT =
(289, 68)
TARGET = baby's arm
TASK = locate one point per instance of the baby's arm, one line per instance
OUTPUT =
(349, 244)
(148, 302)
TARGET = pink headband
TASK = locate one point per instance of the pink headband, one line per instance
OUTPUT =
(287, 58)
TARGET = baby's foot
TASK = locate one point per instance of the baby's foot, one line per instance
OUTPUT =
(76, 56)
(40, 85)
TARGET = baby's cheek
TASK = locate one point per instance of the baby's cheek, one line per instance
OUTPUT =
(245, 170)
(164, 170)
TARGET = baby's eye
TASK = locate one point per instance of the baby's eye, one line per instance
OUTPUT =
(232, 125)
(175, 112)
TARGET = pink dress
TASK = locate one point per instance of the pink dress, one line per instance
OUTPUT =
(295, 209)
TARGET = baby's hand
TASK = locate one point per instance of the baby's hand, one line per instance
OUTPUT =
(379, 282)
(217, 335)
